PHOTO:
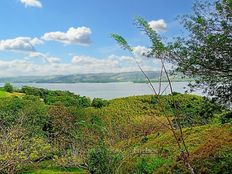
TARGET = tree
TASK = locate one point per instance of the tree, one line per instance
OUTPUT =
(8, 87)
(99, 103)
(206, 53)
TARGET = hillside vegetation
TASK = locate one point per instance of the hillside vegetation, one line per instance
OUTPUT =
(46, 131)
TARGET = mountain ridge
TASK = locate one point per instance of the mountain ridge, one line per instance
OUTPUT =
(135, 76)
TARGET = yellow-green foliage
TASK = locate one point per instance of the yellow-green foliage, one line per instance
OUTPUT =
(133, 127)
(203, 142)
(7, 94)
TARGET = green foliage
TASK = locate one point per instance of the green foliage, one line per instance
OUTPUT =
(147, 165)
(226, 118)
(102, 160)
(53, 97)
(99, 103)
(64, 134)
(122, 42)
(29, 111)
(8, 87)
(157, 48)
(220, 162)
(206, 52)
(19, 149)
(154, 100)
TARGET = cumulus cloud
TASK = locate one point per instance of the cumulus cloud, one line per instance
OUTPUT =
(158, 25)
(122, 58)
(31, 3)
(140, 51)
(44, 57)
(19, 44)
(95, 63)
(80, 36)
(78, 64)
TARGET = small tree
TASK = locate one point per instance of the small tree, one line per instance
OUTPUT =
(98, 103)
(8, 87)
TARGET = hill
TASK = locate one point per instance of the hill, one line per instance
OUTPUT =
(60, 132)
(136, 77)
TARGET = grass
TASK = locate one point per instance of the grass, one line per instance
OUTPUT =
(56, 171)
(3, 94)
(7, 94)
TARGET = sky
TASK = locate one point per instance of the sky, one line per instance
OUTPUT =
(58, 37)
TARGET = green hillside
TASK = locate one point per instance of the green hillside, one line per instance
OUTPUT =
(67, 133)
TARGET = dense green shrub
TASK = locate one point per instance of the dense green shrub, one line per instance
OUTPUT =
(226, 118)
(99, 103)
(8, 87)
(149, 165)
(101, 160)
(53, 97)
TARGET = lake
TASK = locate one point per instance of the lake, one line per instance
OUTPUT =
(108, 90)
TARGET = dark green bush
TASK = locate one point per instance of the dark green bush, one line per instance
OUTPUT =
(99, 103)
(226, 118)
(8, 87)
(101, 160)
(53, 97)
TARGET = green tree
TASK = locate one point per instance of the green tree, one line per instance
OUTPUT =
(206, 53)
(8, 87)
(99, 103)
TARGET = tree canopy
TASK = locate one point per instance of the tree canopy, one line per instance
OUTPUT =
(206, 52)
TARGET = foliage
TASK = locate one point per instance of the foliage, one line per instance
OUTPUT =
(52, 97)
(102, 160)
(147, 165)
(17, 149)
(123, 124)
(99, 103)
(226, 118)
(8, 87)
(206, 52)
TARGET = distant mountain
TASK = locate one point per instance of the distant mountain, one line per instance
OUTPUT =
(136, 77)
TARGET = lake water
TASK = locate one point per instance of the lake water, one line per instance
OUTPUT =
(108, 90)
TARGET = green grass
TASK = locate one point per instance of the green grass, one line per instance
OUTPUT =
(56, 171)
(3, 93)
(7, 94)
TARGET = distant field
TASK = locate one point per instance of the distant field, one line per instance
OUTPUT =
(7, 94)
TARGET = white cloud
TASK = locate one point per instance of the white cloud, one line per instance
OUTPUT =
(31, 3)
(80, 36)
(78, 64)
(158, 25)
(95, 63)
(19, 44)
(140, 51)
(122, 58)
(44, 57)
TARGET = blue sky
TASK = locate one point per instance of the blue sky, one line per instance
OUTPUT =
(46, 37)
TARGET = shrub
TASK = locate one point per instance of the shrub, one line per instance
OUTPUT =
(226, 118)
(8, 87)
(102, 160)
(99, 103)
(148, 165)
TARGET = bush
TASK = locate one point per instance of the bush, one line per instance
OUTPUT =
(226, 118)
(101, 160)
(8, 87)
(99, 103)
(149, 165)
